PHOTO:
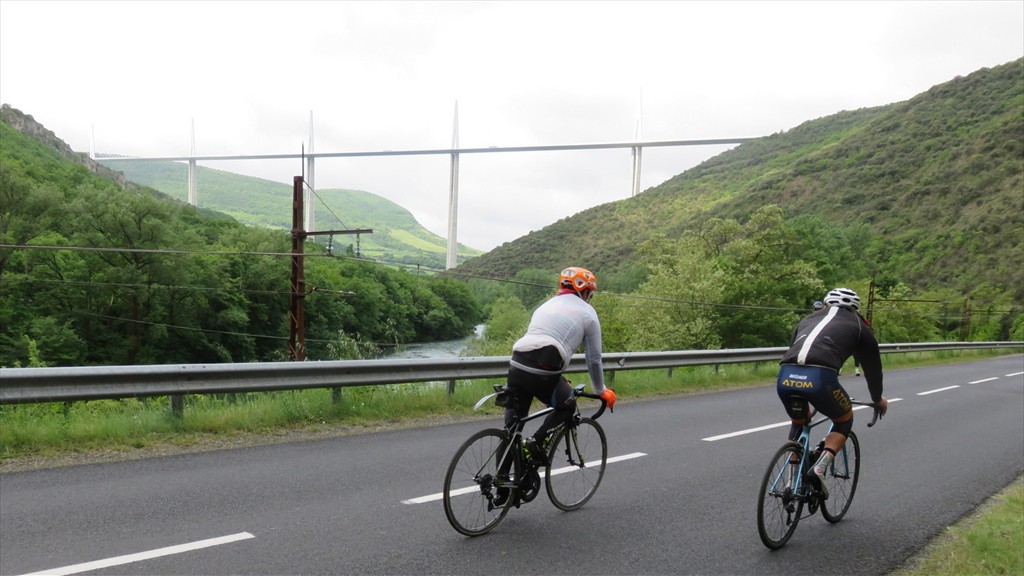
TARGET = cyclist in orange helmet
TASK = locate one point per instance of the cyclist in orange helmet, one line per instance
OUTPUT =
(557, 328)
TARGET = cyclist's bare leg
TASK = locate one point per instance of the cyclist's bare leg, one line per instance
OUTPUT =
(800, 412)
(835, 440)
(798, 423)
(794, 428)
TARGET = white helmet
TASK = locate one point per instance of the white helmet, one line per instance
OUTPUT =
(843, 297)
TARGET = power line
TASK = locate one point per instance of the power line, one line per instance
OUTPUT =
(324, 202)
(187, 328)
(151, 250)
(380, 261)
(440, 271)
(147, 286)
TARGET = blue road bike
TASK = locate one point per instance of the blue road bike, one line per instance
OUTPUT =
(790, 490)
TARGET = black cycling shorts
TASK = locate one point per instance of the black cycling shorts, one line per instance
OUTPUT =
(551, 389)
(819, 386)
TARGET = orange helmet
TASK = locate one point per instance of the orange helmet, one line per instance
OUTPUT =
(577, 279)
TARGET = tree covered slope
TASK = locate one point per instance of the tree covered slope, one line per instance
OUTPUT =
(936, 182)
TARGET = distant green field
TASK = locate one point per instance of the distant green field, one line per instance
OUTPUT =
(397, 235)
(417, 242)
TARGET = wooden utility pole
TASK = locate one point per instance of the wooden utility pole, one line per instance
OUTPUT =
(965, 321)
(871, 299)
(296, 310)
(296, 321)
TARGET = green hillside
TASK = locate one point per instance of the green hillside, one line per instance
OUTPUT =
(96, 270)
(396, 237)
(936, 184)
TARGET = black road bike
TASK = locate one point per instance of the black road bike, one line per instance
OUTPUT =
(491, 473)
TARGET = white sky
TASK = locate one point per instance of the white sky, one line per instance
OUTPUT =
(386, 75)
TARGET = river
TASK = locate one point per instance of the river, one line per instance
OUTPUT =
(444, 349)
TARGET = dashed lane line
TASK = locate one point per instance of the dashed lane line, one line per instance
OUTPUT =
(140, 556)
(938, 390)
(769, 426)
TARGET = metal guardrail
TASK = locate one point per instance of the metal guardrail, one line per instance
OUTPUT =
(28, 385)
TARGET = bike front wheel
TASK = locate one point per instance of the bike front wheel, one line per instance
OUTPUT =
(578, 456)
(841, 480)
(778, 507)
(471, 484)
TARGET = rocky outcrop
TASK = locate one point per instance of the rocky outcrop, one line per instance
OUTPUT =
(28, 126)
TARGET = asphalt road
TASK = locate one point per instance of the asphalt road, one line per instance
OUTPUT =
(686, 505)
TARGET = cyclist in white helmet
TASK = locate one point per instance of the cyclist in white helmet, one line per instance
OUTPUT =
(809, 370)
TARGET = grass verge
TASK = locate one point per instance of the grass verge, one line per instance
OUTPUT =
(990, 542)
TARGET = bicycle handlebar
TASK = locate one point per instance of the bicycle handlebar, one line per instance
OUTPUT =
(577, 391)
(604, 403)
(876, 408)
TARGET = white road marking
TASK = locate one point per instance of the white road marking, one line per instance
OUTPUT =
(140, 556)
(1011, 375)
(769, 426)
(555, 472)
(744, 432)
(983, 380)
(937, 390)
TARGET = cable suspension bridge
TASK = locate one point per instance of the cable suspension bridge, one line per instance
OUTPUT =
(309, 157)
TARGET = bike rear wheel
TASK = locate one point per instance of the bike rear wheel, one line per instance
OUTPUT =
(578, 456)
(778, 508)
(470, 484)
(841, 480)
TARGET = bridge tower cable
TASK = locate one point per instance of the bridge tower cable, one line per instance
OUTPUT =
(310, 200)
(637, 150)
(193, 196)
(453, 195)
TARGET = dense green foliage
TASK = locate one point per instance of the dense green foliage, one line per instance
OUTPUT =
(149, 280)
(732, 285)
(397, 236)
(919, 204)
